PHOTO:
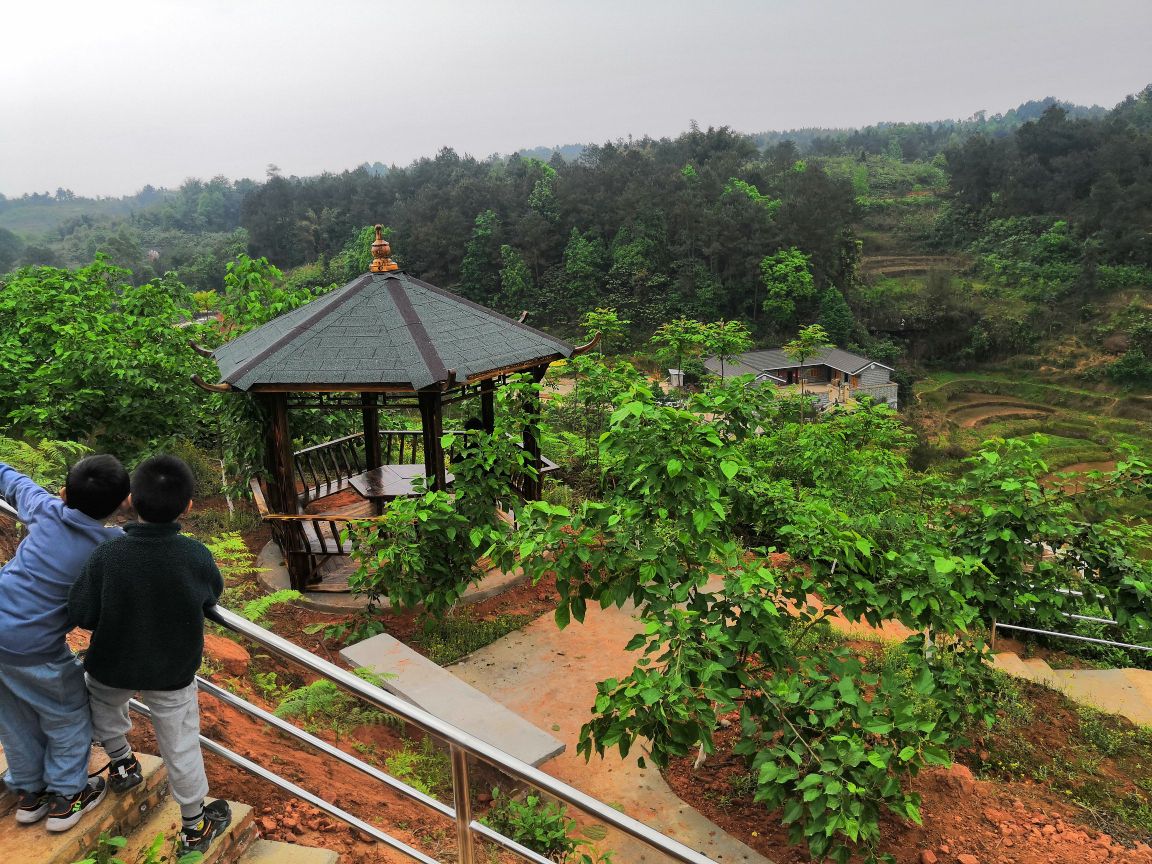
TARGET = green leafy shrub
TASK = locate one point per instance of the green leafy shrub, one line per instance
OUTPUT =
(422, 552)
(543, 826)
(160, 851)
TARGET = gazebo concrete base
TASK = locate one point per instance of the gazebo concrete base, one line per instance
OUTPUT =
(274, 577)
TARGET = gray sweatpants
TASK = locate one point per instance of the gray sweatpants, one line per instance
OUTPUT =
(176, 719)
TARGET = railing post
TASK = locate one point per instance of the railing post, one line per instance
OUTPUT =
(462, 799)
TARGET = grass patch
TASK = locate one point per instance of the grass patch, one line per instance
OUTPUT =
(1099, 762)
(459, 635)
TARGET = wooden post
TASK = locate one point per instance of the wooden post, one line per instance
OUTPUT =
(488, 404)
(533, 486)
(372, 456)
(432, 426)
(282, 488)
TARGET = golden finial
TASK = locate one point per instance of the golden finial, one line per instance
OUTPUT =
(381, 263)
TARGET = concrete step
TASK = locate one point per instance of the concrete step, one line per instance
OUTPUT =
(1127, 692)
(165, 821)
(141, 814)
(116, 814)
(274, 852)
(418, 680)
(1010, 664)
(1039, 671)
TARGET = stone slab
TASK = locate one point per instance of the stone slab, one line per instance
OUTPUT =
(416, 679)
(275, 852)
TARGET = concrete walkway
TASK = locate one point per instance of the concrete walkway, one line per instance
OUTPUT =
(549, 677)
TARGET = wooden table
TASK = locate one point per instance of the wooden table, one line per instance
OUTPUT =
(383, 484)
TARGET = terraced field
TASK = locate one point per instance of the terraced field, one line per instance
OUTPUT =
(978, 409)
(896, 266)
(1084, 430)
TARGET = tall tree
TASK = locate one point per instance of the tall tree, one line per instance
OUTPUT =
(787, 278)
(808, 343)
(725, 340)
(480, 270)
(836, 317)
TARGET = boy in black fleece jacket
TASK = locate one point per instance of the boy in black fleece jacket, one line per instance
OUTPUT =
(144, 596)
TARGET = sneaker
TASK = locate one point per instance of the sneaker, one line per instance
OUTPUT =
(65, 811)
(31, 806)
(217, 817)
(124, 773)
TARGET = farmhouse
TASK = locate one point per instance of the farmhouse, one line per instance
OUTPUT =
(831, 376)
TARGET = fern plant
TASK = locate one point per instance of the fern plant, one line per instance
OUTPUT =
(46, 462)
(256, 610)
(232, 556)
(426, 769)
(322, 704)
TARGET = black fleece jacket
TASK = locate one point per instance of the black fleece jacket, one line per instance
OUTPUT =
(143, 596)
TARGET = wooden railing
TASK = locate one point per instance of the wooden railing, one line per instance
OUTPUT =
(324, 469)
(307, 540)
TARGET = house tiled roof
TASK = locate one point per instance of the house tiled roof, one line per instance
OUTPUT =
(383, 329)
(757, 362)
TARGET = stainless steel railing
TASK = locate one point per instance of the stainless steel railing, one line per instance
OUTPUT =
(461, 745)
(1071, 616)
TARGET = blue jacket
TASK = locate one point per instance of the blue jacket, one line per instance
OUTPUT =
(34, 585)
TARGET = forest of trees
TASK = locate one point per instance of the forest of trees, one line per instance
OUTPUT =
(1052, 200)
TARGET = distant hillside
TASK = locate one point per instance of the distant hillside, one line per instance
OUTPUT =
(875, 138)
(568, 152)
(33, 216)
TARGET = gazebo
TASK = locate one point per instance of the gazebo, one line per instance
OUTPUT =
(385, 340)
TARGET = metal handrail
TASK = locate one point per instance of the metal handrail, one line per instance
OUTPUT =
(346, 758)
(1071, 592)
(290, 787)
(461, 745)
(996, 625)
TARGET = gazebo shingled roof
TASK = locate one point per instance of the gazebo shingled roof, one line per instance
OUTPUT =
(387, 329)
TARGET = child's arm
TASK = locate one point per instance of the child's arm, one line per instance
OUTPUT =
(84, 596)
(21, 492)
(211, 578)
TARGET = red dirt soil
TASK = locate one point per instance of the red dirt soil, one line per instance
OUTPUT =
(994, 822)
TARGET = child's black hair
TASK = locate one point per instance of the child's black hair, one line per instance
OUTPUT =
(96, 485)
(162, 488)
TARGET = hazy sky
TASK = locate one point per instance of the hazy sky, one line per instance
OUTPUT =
(104, 97)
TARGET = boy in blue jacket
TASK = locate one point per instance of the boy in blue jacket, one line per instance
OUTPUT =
(45, 727)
